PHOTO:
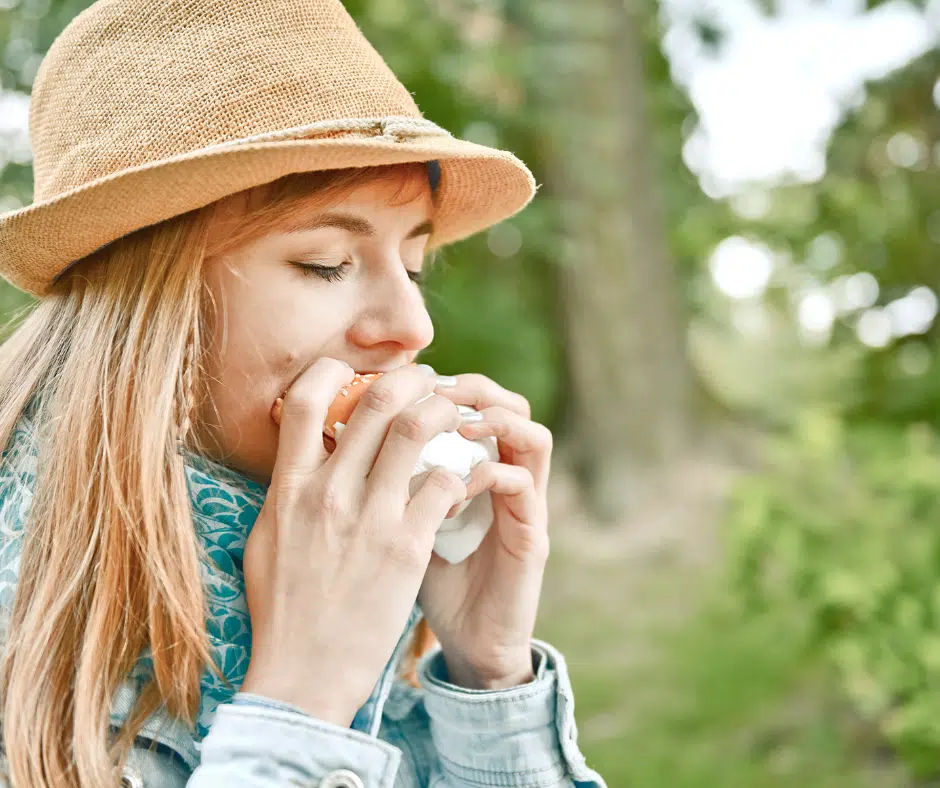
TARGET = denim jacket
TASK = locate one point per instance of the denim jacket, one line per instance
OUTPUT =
(438, 736)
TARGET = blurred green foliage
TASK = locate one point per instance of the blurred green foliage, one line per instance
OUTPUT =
(874, 212)
(842, 525)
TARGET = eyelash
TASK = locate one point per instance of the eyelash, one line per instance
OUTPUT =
(334, 273)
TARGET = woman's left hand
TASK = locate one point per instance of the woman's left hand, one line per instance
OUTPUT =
(483, 609)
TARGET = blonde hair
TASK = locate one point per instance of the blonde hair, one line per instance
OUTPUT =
(110, 560)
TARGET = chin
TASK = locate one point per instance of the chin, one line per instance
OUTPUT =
(254, 459)
(261, 466)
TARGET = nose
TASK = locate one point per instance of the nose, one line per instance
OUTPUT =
(394, 312)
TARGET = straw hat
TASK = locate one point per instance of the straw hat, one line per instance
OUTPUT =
(143, 110)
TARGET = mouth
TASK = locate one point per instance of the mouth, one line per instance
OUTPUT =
(368, 373)
(381, 371)
(360, 372)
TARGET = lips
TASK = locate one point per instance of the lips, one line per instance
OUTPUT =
(377, 370)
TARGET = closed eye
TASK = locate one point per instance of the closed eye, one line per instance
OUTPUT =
(331, 273)
(334, 273)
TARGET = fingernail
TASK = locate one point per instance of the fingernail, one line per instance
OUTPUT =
(468, 481)
(276, 410)
(427, 369)
(471, 416)
(446, 380)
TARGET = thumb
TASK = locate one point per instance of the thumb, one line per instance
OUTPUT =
(300, 449)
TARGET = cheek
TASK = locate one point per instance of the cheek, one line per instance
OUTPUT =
(264, 350)
(264, 329)
(267, 327)
(252, 374)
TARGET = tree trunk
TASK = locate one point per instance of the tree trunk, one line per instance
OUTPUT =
(631, 389)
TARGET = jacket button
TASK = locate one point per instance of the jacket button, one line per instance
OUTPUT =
(130, 778)
(341, 778)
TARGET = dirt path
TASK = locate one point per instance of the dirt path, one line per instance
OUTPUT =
(610, 589)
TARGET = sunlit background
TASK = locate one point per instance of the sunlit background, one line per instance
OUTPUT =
(723, 301)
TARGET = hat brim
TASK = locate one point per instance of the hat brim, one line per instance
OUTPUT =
(479, 187)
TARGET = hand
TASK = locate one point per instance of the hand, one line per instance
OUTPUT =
(335, 559)
(483, 610)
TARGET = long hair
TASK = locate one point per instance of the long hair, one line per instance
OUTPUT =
(110, 559)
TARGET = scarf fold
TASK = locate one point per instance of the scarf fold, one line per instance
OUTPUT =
(225, 505)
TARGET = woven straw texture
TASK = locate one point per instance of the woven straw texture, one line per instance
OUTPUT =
(143, 110)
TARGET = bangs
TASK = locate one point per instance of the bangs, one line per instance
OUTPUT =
(283, 203)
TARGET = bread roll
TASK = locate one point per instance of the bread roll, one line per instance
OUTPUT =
(346, 401)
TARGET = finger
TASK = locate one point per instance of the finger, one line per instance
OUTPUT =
(300, 449)
(514, 483)
(479, 392)
(360, 441)
(408, 435)
(441, 490)
(530, 442)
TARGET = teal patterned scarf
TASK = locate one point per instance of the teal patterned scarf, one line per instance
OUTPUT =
(225, 505)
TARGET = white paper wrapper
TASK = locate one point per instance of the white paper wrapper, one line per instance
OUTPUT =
(460, 535)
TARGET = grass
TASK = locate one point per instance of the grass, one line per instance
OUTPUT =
(677, 687)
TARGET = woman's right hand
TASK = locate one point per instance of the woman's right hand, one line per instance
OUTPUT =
(335, 559)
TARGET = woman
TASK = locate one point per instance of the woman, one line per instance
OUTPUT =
(233, 204)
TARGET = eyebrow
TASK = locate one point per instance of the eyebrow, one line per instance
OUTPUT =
(355, 225)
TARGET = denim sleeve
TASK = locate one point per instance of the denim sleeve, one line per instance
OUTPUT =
(523, 737)
(438, 736)
(261, 743)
